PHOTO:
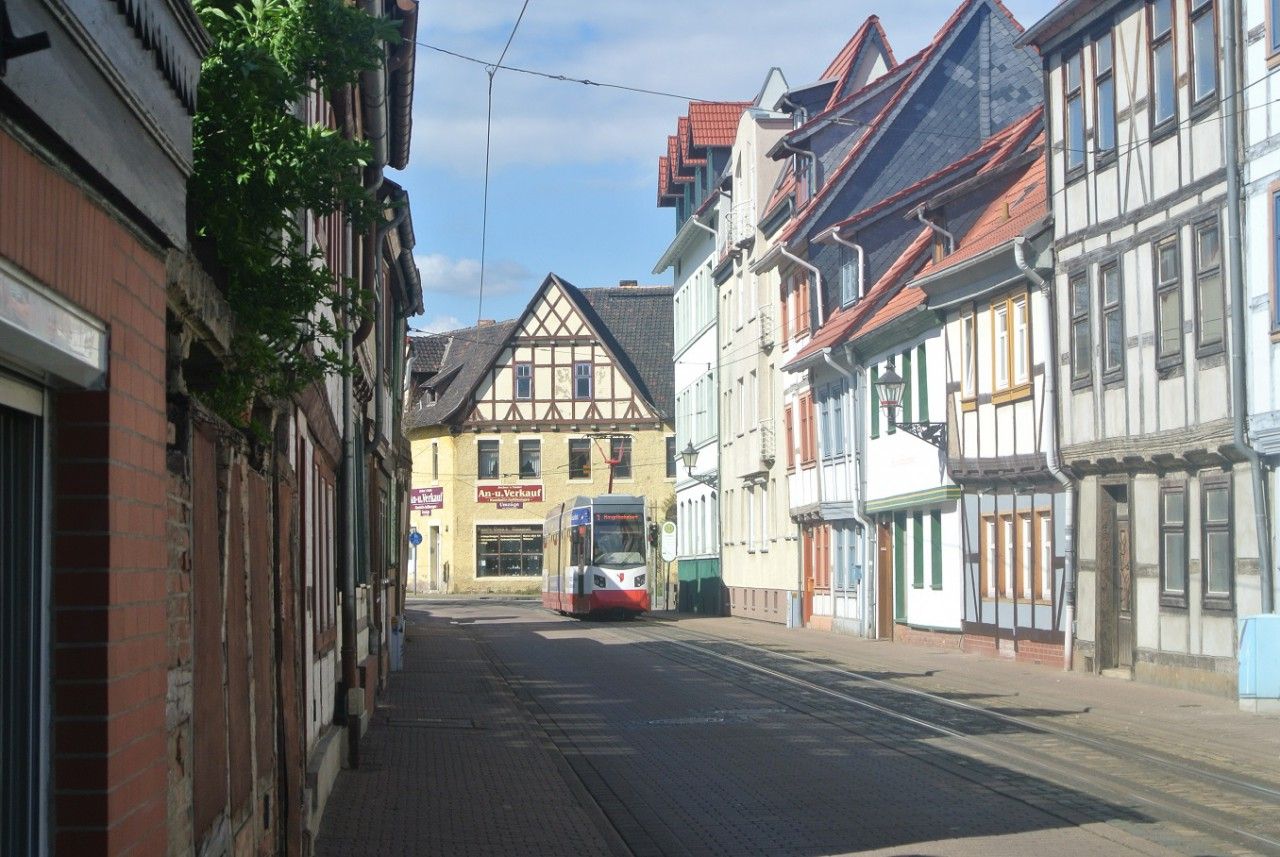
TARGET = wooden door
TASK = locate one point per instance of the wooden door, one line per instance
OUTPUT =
(884, 582)
(1115, 579)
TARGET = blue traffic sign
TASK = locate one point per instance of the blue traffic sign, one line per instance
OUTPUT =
(415, 538)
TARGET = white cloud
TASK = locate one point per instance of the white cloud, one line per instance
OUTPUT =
(439, 324)
(443, 275)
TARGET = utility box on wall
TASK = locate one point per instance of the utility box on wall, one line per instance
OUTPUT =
(1260, 663)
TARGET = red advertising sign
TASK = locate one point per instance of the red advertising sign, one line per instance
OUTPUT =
(426, 499)
(508, 494)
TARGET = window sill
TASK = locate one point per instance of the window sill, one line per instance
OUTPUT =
(1013, 394)
(1113, 381)
(1169, 369)
(1102, 160)
(1213, 350)
(969, 404)
(1206, 105)
(1173, 601)
(1218, 605)
(1273, 60)
(1165, 130)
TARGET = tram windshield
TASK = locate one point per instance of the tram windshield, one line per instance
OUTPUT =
(619, 539)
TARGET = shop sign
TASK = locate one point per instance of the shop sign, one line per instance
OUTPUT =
(509, 496)
(426, 499)
(40, 328)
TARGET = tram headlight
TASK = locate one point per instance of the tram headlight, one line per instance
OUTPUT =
(640, 578)
(599, 581)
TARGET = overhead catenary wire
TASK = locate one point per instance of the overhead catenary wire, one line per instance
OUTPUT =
(491, 70)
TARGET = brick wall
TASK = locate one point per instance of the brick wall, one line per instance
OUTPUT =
(110, 598)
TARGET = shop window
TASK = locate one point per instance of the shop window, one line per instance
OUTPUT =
(508, 551)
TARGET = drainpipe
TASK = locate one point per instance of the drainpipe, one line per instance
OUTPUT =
(1045, 333)
(817, 279)
(856, 459)
(1235, 271)
(951, 239)
(347, 501)
(373, 95)
(834, 234)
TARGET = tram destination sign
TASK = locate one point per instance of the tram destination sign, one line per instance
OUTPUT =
(509, 496)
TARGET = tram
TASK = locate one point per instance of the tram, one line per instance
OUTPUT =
(594, 556)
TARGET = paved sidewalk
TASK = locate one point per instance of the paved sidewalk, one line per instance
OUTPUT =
(453, 765)
(1197, 727)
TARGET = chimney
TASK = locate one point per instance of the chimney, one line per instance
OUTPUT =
(485, 322)
(626, 284)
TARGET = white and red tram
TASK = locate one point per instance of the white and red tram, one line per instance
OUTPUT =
(594, 556)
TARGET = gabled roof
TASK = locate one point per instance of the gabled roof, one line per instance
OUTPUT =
(708, 124)
(1008, 216)
(877, 127)
(893, 295)
(634, 324)
(847, 60)
(715, 123)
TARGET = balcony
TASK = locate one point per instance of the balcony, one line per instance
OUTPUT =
(740, 227)
(766, 443)
(768, 335)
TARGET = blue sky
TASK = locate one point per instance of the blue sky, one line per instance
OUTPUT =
(573, 175)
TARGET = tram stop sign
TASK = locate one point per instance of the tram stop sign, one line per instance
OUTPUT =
(669, 541)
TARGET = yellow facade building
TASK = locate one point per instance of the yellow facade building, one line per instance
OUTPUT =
(509, 419)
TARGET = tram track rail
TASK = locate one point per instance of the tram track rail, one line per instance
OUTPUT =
(1237, 810)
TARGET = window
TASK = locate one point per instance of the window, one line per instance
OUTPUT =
(922, 385)
(487, 459)
(1275, 251)
(579, 458)
(784, 313)
(801, 285)
(1021, 351)
(1008, 556)
(1075, 112)
(1204, 51)
(789, 434)
(765, 511)
(1045, 570)
(906, 390)
(1168, 304)
(917, 553)
(671, 457)
(1104, 95)
(508, 551)
(524, 380)
(968, 357)
(1173, 544)
(839, 443)
(808, 431)
(1210, 298)
(1164, 81)
(1011, 343)
(1028, 545)
(848, 276)
(1273, 23)
(935, 520)
(1000, 337)
(582, 380)
(1215, 545)
(989, 557)
(1112, 321)
(530, 459)
(749, 502)
(435, 461)
(1081, 338)
(620, 455)
(875, 401)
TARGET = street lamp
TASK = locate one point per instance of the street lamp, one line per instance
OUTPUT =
(890, 386)
(689, 456)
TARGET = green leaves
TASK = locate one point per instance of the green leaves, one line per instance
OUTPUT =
(261, 174)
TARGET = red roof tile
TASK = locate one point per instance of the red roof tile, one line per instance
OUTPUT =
(843, 64)
(715, 123)
(685, 136)
(1007, 217)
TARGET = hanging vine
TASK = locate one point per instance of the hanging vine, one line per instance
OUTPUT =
(260, 171)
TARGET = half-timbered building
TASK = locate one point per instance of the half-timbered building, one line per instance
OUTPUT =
(1168, 544)
(507, 419)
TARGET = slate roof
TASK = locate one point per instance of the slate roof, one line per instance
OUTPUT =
(468, 354)
(635, 323)
(878, 126)
(641, 321)
(887, 299)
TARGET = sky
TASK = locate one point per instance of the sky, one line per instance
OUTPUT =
(573, 168)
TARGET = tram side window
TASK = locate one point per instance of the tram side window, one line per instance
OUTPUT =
(578, 546)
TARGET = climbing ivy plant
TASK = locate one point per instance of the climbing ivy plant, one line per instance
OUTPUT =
(260, 172)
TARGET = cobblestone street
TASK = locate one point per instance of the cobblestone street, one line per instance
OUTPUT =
(513, 731)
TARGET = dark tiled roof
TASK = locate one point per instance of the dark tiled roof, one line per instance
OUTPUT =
(427, 352)
(640, 319)
(467, 356)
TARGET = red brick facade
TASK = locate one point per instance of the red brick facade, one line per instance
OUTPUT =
(110, 557)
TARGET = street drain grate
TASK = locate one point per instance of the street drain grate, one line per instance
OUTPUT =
(433, 723)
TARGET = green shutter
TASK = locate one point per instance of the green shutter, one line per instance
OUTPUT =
(875, 402)
(921, 374)
(917, 538)
(906, 386)
(936, 580)
(899, 566)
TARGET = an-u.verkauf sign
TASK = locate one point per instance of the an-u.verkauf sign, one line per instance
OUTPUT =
(504, 494)
(426, 499)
